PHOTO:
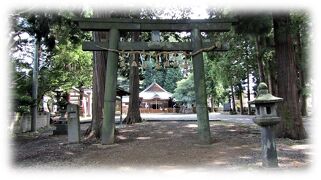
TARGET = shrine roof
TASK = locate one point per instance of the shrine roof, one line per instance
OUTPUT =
(154, 91)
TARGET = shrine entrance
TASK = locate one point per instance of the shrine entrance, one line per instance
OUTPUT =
(193, 49)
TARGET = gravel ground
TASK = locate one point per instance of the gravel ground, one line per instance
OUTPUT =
(161, 145)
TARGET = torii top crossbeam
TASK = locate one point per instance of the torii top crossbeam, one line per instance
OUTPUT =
(168, 25)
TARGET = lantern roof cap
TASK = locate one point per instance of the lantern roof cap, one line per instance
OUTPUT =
(264, 97)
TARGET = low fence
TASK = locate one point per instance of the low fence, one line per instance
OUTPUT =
(165, 110)
(22, 123)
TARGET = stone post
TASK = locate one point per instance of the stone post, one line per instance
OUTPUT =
(73, 123)
(266, 118)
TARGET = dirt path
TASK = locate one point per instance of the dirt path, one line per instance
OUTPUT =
(164, 145)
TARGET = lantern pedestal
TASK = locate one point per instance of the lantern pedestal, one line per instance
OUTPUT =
(267, 119)
(269, 153)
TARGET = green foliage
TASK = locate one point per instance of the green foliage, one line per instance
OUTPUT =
(185, 91)
(70, 67)
(231, 67)
(62, 63)
(259, 26)
(165, 77)
(172, 76)
(22, 103)
(300, 29)
(21, 93)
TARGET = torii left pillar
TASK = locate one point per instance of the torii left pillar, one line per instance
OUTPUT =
(108, 126)
(200, 89)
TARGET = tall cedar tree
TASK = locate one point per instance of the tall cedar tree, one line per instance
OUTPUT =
(300, 22)
(99, 72)
(291, 125)
(133, 115)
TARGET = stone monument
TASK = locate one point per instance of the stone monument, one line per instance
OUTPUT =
(73, 123)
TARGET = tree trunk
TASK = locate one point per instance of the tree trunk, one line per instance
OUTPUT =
(302, 95)
(212, 103)
(248, 92)
(241, 98)
(35, 87)
(233, 100)
(259, 59)
(133, 115)
(99, 70)
(291, 125)
(272, 78)
(269, 77)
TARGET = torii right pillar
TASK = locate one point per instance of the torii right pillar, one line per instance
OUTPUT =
(200, 89)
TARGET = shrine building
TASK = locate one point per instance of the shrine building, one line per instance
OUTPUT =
(155, 98)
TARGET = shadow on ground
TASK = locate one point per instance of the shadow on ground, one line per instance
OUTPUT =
(170, 144)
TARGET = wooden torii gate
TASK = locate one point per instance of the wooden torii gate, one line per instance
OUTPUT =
(113, 45)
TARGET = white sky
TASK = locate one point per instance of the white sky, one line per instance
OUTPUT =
(199, 12)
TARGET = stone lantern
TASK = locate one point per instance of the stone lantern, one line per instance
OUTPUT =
(266, 117)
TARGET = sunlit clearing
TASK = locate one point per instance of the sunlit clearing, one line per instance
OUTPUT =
(70, 153)
(124, 168)
(191, 125)
(143, 138)
(230, 125)
(232, 130)
(245, 157)
(219, 163)
(128, 130)
(122, 137)
(284, 158)
(300, 146)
